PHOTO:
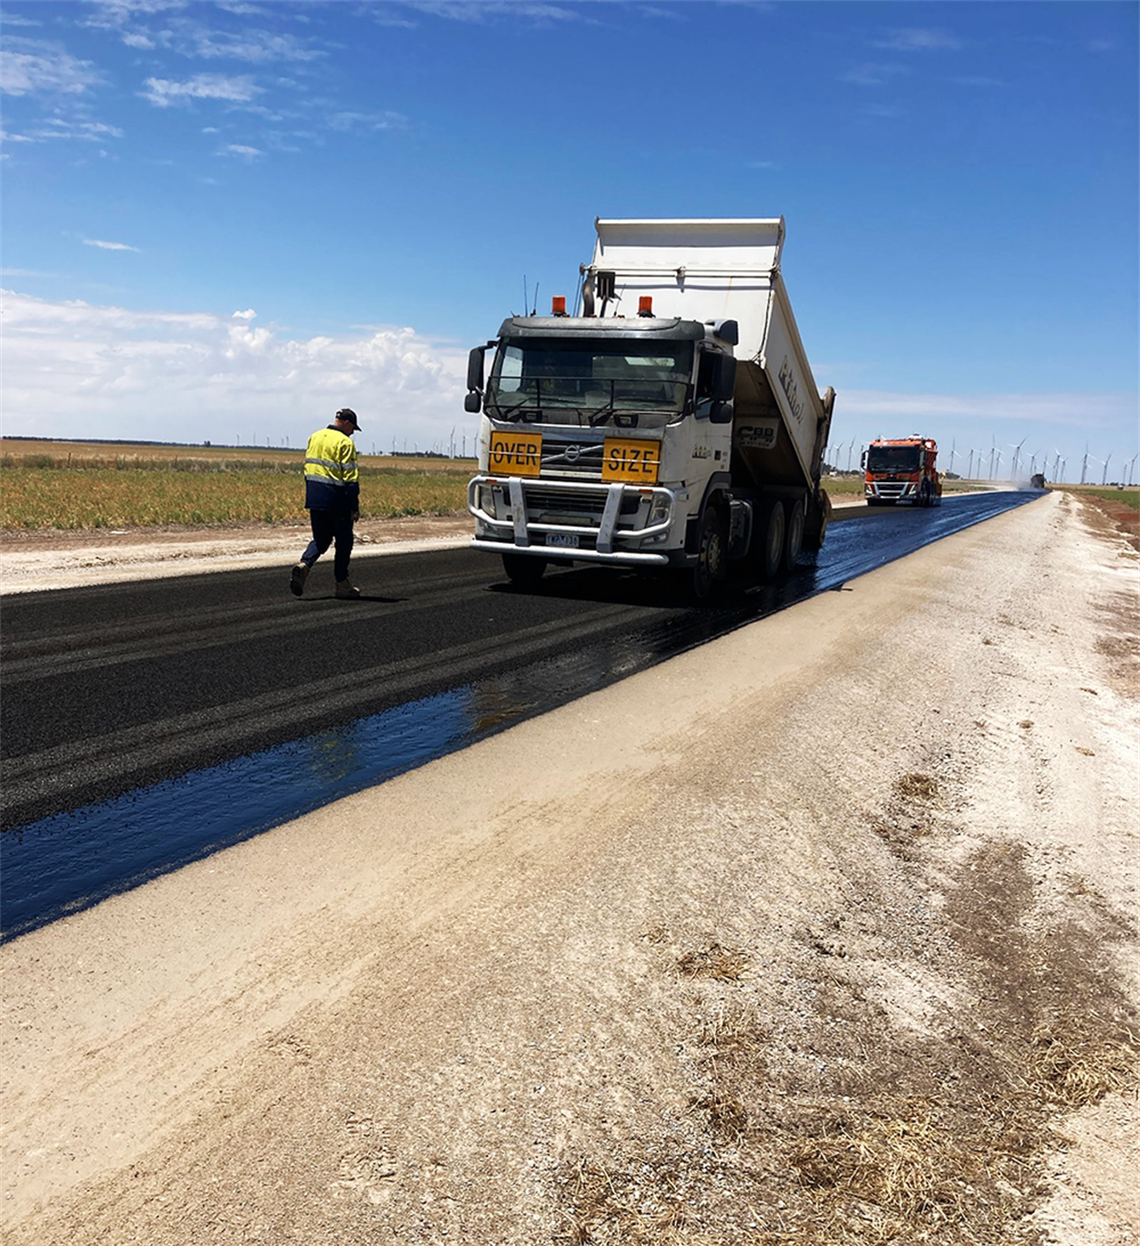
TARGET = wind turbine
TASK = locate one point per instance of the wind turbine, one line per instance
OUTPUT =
(1104, 478)
(850, 450)
(993, 451)
(1085, 463)
(952, 453)
(1131, 465)
(1016, 454)
(970, 467)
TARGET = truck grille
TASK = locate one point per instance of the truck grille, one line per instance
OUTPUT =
(579, 459)
(544, 505)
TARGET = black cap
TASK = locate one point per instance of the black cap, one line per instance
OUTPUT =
(349, 415)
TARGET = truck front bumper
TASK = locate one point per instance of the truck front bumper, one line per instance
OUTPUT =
(892, 491)
(579, 521)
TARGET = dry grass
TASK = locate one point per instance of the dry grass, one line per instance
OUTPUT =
(50, 485)
(917, 787)
(1071, 1066)
(844, 1130)
(722, 963)
(639, 1207)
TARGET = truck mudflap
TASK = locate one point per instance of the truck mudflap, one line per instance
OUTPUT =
(817, 519)
(597, 539)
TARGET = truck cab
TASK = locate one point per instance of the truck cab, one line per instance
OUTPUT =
(902, 469)
(647, 440)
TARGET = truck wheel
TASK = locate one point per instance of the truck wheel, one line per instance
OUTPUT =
(522, 569)
(772, 551)
(794, 537)
(710, 553)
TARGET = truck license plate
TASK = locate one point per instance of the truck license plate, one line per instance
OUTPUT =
(564, 540)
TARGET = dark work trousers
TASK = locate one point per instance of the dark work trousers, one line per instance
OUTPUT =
(330, 526)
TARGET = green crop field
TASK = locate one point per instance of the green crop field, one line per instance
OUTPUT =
(71, 485)
(1124, 497)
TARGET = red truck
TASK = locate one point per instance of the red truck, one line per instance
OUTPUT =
(902, 469)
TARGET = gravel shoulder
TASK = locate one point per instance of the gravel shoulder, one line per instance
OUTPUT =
(825, 932)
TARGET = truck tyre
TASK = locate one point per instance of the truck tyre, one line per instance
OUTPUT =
(522, 569)
(794, 536)
(773, 540)
(711, 553)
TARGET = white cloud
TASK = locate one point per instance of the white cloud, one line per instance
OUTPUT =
(254, 47)
(165, 92)
(1064, 409)
(242, 151)
(117, 12)
(107, 246)
(479, 10)
(110, 371)
(66, 128)
(918, 39)
(243, 9)
(30, 67)
(872, 75)
(345, 121)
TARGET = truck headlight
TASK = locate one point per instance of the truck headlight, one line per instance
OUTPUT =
(659, 510)
(487, 501)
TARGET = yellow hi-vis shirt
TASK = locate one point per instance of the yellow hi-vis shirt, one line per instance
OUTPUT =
(332, 478)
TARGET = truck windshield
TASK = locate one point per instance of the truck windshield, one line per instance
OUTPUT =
(591, 382)
(893, 459)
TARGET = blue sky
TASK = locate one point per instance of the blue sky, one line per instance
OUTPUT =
(222, 221)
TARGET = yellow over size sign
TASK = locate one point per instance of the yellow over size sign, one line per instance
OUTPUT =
(515, 454)
(635, 461)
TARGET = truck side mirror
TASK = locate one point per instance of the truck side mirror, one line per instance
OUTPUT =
(724, 378)
(474, 400)
(723, 387)
(475, 368)
(863, 460)
(721, 412)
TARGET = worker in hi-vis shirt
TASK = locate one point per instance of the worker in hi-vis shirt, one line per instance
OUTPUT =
(332, 498)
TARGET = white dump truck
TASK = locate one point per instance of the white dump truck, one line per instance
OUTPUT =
(671, 421)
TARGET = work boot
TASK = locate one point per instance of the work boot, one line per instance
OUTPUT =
(346, 590)
(297, 579)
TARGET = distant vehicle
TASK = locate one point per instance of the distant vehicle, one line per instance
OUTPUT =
(902, 469)
(674, 424)
(1037, 480)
